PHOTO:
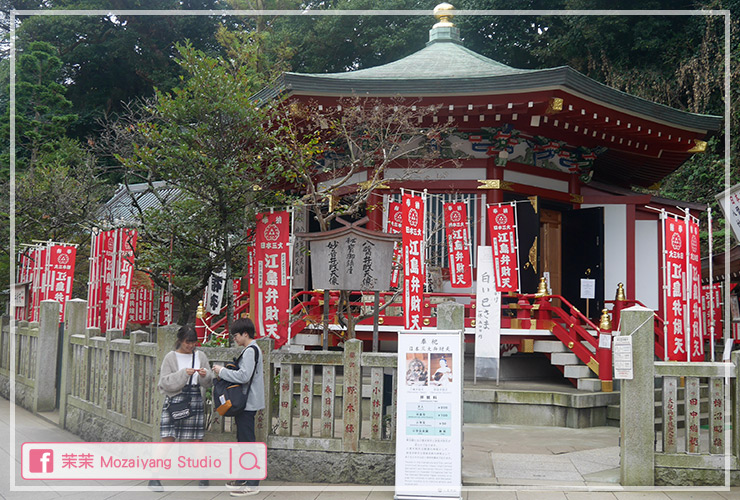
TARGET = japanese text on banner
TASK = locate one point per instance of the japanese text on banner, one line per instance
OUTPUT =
(394, 226)
(675, 279)
(504, 243)
(272, 279)
(458, 244)
(413, 260)
(693, 288)
(712, 299)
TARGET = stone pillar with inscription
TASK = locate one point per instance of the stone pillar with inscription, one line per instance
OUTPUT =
(637, 407)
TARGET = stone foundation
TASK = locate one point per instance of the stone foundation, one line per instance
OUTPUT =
(330, 467)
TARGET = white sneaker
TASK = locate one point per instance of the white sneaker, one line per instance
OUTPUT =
(245, 491)
(236, 484)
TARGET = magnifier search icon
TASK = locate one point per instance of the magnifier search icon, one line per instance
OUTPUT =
(242, 461)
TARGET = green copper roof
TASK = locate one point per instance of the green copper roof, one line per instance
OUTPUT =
(444, 57)
(445, 67)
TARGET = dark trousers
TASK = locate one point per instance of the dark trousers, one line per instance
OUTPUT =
(245, 432)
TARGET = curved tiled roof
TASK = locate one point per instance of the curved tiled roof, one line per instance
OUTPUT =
(446, 68)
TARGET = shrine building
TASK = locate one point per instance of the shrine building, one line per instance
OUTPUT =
(569, 148)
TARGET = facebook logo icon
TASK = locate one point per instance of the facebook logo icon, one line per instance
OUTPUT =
(41, 461)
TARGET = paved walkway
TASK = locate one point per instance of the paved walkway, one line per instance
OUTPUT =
(500, 462)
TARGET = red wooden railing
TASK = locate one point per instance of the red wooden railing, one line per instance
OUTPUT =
(658, 322)
(520, 312)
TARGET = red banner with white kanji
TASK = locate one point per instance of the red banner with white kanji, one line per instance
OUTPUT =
(711, 300)
(394, 226)
(272, 287)
(111, 272)
(141, 306)
(165, 306)
(694, 292)
(676, 313)
(502, 223)
(39, 256)
(49, 270)
(59, 274)
(412, 237)
(457, 232)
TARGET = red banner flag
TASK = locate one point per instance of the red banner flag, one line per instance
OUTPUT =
(712, 300)
(95, 296)
(394, 226)
(675, 279)
(141, 308)
(111, 271)
(60, 274)
(165, 307)
(694, 295)
(272, 284)
(412, 238)
(502, 222)
(127, 246)
(39, 256)
(458, 244)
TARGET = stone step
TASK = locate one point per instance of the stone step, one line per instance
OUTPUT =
(564, 358)
(589, 384)
(577, 371)
(549, 346)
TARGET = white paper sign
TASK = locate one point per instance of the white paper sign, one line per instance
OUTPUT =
(605, 341)
(588, 288)
(728, 349)
(487, 308)
(429, 415)
(19, 291)
(732, 212)
(622, 355)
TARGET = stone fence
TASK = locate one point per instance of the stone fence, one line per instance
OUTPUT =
(328, 414)
(680, 421)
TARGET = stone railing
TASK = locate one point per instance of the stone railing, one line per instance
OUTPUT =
(326, 411)
(33, 358)
(695, 438)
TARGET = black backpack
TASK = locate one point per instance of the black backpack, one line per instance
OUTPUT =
(230, 398)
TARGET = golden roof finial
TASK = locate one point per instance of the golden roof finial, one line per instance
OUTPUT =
(442, 12)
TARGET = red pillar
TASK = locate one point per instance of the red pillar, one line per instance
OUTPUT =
(495, 172)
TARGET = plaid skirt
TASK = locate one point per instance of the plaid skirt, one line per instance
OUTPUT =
(189, 428)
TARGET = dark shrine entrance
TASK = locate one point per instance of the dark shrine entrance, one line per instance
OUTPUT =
(583, 257)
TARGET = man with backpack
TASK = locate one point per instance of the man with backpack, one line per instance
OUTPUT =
(250, 374)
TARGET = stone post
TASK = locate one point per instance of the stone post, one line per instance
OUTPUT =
(131, 405)
(44, 380)
(352, 396)
(450, 316)
(74, 324)
(637, 406)
(263, 419)
(166, 337)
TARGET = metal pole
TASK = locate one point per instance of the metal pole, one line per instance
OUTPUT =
(665, 285)
(711, 291)
(687, 289)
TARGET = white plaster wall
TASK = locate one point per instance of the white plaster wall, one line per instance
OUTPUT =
(353, 179)
(647, 263)
(535, 180)
(615, 247)
(432, 174)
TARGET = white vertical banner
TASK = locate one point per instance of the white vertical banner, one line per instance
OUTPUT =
(487, 318)
(729, 202)
(429, 415)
